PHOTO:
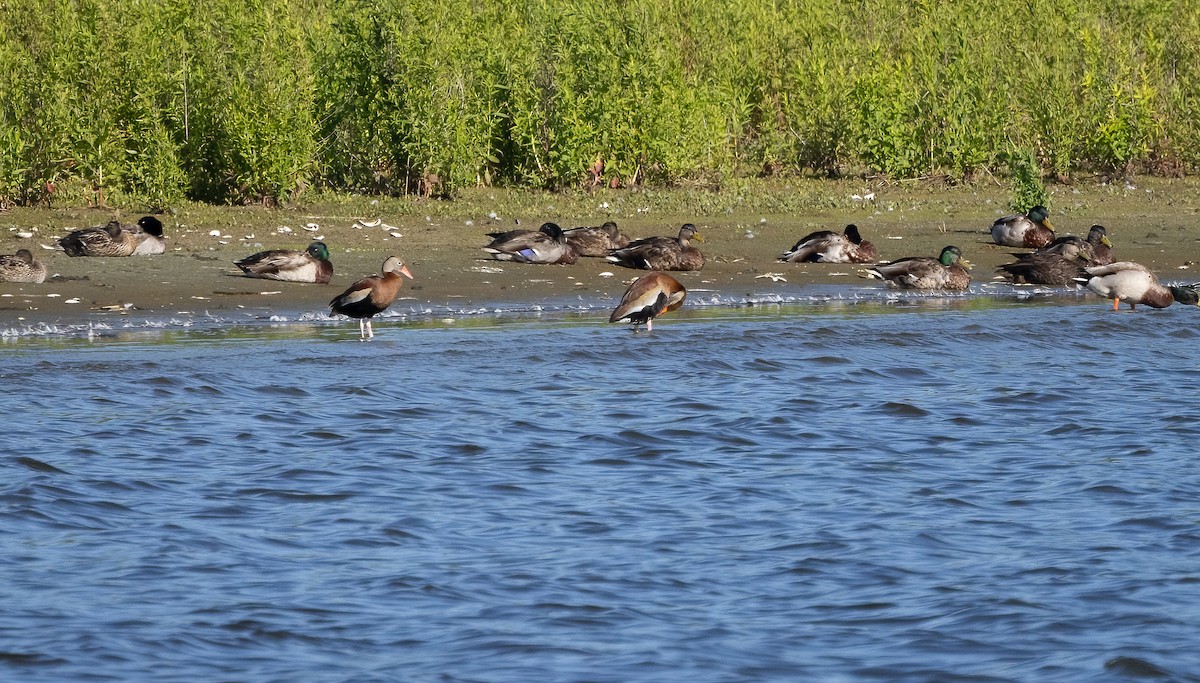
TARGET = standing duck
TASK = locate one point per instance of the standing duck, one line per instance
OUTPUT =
(647, 298)
(662, 253)
(22, 267)
(1135, 284)
(371, 295)
(310, 265)
(1032, 231)
(545, 245)
(948, 271)
(115, 240)
(826, 246)
(596, 242)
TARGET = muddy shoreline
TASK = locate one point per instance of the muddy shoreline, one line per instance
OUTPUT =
(1153, 222)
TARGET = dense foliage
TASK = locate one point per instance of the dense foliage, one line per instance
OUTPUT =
(259, 100)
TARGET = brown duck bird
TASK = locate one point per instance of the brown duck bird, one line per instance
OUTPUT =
(22, 267)
(310, 265)
(1032, 230)
(1045, 268)
(948, 271)
(113, 239)
(596, 241)
(1135, 284)
(826, 246)
(662, 253)
(647, 298)
(544, 245)
(1096, 249)
(371, 295)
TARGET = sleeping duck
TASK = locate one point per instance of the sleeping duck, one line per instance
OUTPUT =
(545, 245)
(1032, 231)
(948, 271)
(1135, 284)
(596, 241)
(113, 239)
(310, 265)
(1045, 268)
(662, 253)
(1096, 249)
(826, 246)
(647, 298)
(22, 267)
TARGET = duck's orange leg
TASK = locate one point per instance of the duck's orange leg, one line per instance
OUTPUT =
(1116, 302)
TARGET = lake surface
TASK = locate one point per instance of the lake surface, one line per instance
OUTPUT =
(956, 490)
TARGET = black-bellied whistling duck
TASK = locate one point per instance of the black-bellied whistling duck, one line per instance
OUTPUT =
(647, 298)
(948, 271)
(662, 253)
(826, 246)
(371, 295)
(310, 265)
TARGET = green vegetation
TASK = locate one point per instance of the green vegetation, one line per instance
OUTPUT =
(261, 101)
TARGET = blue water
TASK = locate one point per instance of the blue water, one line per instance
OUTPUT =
(980, 491)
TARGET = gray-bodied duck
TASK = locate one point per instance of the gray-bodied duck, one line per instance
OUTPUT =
(310, 265)
(946, 272)
(1032, 230)
(826, 246)
(113, 239)
(544, 245)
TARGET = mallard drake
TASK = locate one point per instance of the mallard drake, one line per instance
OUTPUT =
(596, 241)
(113, 239)
(1045, 268)
(662, 253)
(310, 265)
(22, 267)
(647, 298)
(947, 271)
(371, 295)
(1135, 284)
(1096, 248)
(545, 245)
(826, 246)
(1032, 231)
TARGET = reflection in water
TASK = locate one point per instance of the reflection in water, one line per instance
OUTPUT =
(956, 488)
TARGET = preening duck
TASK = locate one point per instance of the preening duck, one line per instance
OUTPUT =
(647, 298)
(948, 271)
(113, 239)
(596, 241)
(1032, 230)
(662, 253)
(826, 246)
(1134, 284)
(371, 295)
(22, 267)
(545, 245)
(310, 265)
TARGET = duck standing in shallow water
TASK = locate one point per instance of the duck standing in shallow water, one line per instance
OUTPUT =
(146, 239)
(22, 267)
(596, 242)
(371, 295)
(1032, 230)
(947, 272)
(826, 246)
(1135, 284)
(544, 245)
(310, 265)
(662, 253)
(647, 298)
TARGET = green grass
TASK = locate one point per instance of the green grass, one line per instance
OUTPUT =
(270, 101)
